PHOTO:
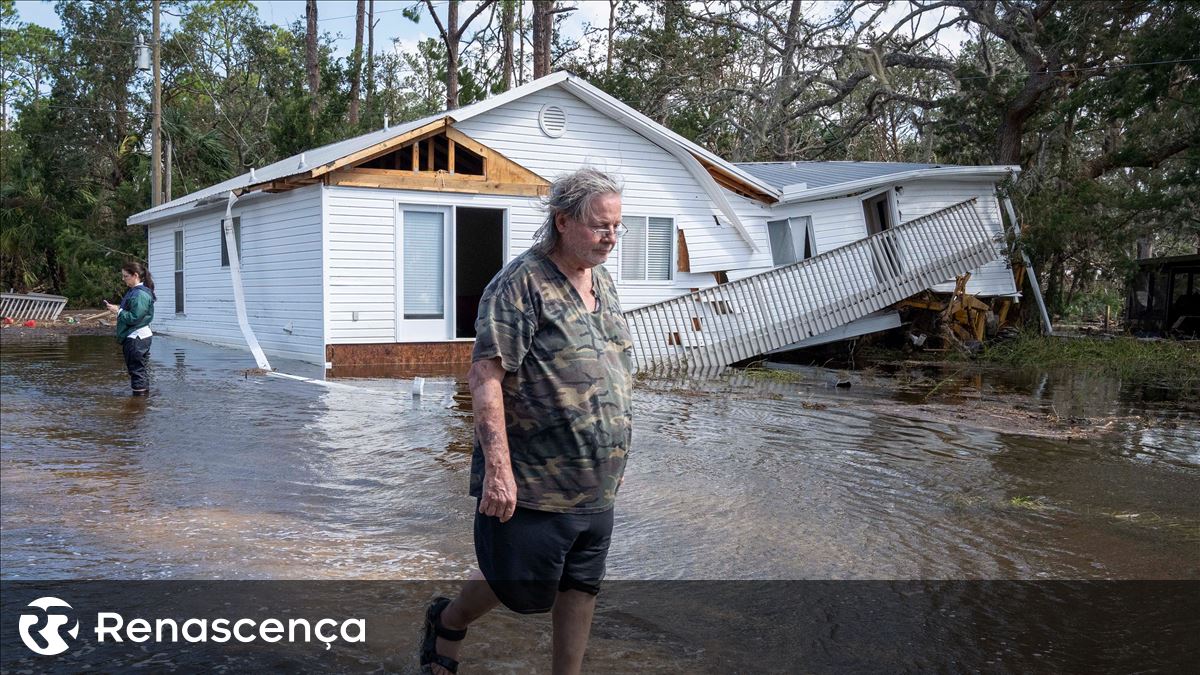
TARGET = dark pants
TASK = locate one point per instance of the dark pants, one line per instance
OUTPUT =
(137, 355)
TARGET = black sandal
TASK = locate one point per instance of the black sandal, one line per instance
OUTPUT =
(434, 630)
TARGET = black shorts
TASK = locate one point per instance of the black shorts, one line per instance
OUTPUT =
(528, 559)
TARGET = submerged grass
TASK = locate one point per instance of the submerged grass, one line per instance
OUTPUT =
(1026, 502)
(771, 374)
(1174, 363)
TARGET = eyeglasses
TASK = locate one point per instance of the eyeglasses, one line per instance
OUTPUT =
(617, 231)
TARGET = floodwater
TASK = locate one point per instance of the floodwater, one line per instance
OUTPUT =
(933, 474)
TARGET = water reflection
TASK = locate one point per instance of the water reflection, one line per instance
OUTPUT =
(921, 474)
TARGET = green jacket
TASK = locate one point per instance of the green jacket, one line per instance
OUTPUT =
(137, 310)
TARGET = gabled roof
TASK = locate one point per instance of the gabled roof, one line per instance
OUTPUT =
(282, 169)
(800, 181)
(303, 164)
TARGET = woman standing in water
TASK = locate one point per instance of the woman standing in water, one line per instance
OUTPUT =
(134, 315)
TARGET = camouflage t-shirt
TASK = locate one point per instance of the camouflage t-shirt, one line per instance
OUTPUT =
(568, 385)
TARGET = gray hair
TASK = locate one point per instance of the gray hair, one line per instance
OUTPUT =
(571, 195)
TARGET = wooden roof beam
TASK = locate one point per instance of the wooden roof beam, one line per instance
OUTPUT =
(367, 154)
(735, 184)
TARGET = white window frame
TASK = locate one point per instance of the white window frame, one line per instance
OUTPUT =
(671, 262)
(426, 330)
(893, 206)
(809, 233)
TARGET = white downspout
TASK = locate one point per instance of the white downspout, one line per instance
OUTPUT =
(239, 297)
(1047, 328)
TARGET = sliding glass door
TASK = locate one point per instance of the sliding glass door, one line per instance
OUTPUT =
(423, 279)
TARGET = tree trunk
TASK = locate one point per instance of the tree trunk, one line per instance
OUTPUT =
(612, 31)
(53, 271)
(1012, 127)
(356, 60)
(776, 116)
(1077, 275)
(370, 54)
(452, 34)
(506, 30)
(1053, 286)
(451, 39)
(543, 26)
(521, 42)
(1145, 247)
(310, 58)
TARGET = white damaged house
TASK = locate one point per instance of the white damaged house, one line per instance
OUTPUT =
(376, 249)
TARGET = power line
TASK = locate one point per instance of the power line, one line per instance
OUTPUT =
(352, 16)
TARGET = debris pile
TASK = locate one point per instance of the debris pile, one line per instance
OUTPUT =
(959, 321)
(87, 321)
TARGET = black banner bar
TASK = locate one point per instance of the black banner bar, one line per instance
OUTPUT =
(642, 626)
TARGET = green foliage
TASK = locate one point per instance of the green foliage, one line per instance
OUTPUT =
(71, 166)
(1168, 361)
(667, 67)
(1091, 306)
(76, 138)
(1109, 152)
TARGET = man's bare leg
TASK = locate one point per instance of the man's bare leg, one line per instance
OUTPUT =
(474, 600)
(572, 625)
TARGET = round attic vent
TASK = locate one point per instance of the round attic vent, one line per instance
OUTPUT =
(553, 120)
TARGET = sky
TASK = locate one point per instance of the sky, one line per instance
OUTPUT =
(337, 18)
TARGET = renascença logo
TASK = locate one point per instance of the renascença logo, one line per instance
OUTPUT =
(51, 633)
(112, 627)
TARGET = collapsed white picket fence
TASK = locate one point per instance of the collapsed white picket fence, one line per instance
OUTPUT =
(31, 306)
(714, 327)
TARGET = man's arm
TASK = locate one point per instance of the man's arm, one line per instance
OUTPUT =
(499, 488)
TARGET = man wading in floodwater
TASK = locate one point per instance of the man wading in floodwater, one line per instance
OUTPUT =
(551, 380)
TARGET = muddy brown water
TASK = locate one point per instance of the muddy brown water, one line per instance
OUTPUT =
(938, 474)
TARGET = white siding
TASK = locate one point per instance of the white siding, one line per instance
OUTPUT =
(281, 275)
(924, 197)
(835, 222)
(362, 253)
(655, 183)
(840, 221)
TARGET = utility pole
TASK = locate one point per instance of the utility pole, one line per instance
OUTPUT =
(156, 133)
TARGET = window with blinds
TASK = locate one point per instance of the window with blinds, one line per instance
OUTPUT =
(646, 249)
(424, 256)
(179, 271)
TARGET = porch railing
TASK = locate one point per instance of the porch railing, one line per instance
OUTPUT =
(714, 327)
(31, 306)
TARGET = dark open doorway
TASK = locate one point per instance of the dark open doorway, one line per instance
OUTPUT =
(886, 250)
(878, 211)
(478, 255)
